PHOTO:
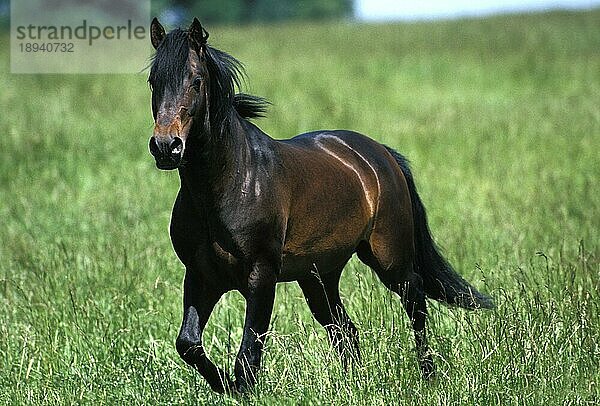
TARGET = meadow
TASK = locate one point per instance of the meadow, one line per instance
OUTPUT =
(500, 118)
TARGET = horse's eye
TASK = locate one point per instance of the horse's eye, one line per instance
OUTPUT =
(196, 83)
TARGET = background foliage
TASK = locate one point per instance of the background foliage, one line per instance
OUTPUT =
(245, 11)
(233, 11)
(500, 118)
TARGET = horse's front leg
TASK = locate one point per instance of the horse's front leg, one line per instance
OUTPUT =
(260, 294)
(199, 300)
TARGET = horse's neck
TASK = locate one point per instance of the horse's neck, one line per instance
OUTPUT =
(216, 173)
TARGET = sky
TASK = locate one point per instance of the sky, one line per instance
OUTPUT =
(373, 10)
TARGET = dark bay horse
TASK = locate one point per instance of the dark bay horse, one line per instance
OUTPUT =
(253, 211)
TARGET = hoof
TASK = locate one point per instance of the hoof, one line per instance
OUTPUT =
(427, 368)
(224, 385)
(243, 387)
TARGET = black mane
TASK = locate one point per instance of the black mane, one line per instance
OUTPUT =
(170, 66)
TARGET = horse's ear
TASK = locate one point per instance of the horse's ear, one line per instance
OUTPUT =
(157, 33)
(197, 33)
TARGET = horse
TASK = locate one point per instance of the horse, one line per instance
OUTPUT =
(253, 211)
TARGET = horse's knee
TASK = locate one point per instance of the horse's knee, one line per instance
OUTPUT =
(262, 277)
(189, 350)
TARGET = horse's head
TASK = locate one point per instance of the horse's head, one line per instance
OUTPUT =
(179, 82)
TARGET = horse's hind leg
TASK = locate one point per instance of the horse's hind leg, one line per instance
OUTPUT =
(323, 298)
(413, 299)
(395, 270)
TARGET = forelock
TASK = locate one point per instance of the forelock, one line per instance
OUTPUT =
(170, 62)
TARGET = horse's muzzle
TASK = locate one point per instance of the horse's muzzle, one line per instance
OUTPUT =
(167, 151)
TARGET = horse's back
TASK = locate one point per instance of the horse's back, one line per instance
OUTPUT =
(368, 160)
(340, 182)
(381, 178)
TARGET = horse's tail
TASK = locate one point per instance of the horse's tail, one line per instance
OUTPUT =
(440, 281)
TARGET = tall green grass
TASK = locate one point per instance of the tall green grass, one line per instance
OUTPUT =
(501, 120)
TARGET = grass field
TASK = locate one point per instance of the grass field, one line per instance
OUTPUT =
(501, 120)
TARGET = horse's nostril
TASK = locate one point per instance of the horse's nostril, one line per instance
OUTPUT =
(154, 148)
(176, 146)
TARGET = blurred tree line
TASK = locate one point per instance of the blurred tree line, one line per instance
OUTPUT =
(176, 12)
(249, 11)
(4, 14)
